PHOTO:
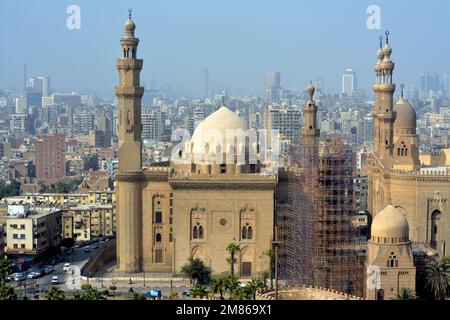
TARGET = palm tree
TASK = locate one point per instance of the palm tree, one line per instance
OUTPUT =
(218, 285)
(54, 293)
(254, 285)
(271, 254)
(406, 294)
(438, 278)
(241, 293)
(232, 249)
(232, 283)
(5, 270)
(199, 291)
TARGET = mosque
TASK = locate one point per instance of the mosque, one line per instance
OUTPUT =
(196, 207)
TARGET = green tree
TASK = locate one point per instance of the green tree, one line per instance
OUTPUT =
(7, 293)
(232, 249)
(139, 297)
(219, 286)
(254, 285)
(406, 294)
(196, 271)
(199, 291)
(54, 293)
(438, 278)
(88, 293)
(10, 190)
(271, 254)
(5, 270)
(241, 293)
(232, 283)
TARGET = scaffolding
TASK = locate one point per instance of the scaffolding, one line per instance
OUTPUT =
(319, 240)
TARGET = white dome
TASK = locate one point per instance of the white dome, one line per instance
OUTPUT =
(211, 133)
(390, 226)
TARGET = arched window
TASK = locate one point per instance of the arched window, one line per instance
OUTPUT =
(158, 238)
(195, 233)
(128, 52)
(380, 294)
(392, 261)
(133, 53)
(124, 53)
(244, 232)
(200, 232)
(406, 151)
(398, 151)
(250, 233)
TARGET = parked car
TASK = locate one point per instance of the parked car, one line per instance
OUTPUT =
(19, 277)
(87, 249)
(33, 275)
(96, 246)
(66, 267)
(55, 280)
(48, 269)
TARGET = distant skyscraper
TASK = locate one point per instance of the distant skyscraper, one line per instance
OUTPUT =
(50, 157)
(205, 82)
(272, 86)
(429, 81)
(320, 85)
(349, 82)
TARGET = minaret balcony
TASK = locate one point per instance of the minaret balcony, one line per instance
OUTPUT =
(129, 64)
(129, 91)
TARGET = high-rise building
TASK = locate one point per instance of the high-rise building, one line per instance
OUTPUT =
(272, 86)
(50, 157)
(349, 82)
(104, 125)
(286, 120)
(83, 122)
(153, 124)
(21, 104)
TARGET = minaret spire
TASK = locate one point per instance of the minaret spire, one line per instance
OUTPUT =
(130, 11)
(381, 42)
(387, 37)
(129, 94)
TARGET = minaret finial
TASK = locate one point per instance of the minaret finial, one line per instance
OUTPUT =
(223, 100)
(387, 37)
(381, 42)
(402, 86)
(130, 11)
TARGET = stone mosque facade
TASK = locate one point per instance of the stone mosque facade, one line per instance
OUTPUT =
(194, 207)
(396, 175)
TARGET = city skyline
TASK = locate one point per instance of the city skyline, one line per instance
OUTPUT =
(241, 44)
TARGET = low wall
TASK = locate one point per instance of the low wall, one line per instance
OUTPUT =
(305, 293)
(105, 255)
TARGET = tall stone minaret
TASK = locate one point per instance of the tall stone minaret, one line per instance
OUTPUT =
(310, 135)
(383, 109)
(129, 176)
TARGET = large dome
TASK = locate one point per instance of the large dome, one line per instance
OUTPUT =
(206, 136)
(390, 226)
(406, 117)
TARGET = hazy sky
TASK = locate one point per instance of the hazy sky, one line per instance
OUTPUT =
(238, 40)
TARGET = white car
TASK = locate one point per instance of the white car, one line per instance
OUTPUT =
(55, 280)
(66, 267)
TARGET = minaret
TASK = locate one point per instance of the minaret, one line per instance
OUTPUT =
(129, 94)
(310, 135)
(383, 110)
(129, 176)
